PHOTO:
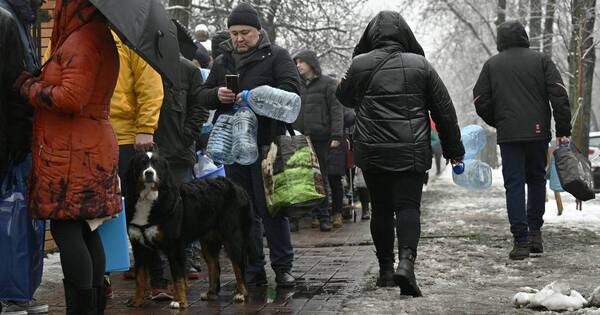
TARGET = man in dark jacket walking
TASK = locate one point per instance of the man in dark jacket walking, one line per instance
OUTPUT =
(250, 54)
(322, 119)
(394, 90)
(513, 94)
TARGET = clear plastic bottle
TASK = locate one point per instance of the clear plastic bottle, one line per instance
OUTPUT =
(273, 103)
(477, 175)
(204, 165)
(244, 130)
(474, 139)
(220, 142)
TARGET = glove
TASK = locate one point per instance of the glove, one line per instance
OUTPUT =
(24, 76)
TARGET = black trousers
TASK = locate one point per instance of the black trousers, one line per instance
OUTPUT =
(322, 150)
(399, 194)
(337, 193)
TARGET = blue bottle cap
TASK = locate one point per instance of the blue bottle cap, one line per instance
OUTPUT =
(458, 168)
(245, 96)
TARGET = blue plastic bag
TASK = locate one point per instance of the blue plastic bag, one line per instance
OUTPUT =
(21, 239)
(554, 180)
(113, 234)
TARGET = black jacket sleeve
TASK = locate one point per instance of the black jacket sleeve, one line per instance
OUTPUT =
(336, 112)
(482, 96)
(557, 93)
(196, 113)
(286, 73)
(443, 114)
(346, 92)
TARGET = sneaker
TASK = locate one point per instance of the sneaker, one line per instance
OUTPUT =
(108, 291)
(161, 294)
(37, 308)
(325, 226)
(193, 274)
(536, 245)
(14, 308)
(366, 215)
(256, 279)
(520, 251)
(315, 223)
(337, 220)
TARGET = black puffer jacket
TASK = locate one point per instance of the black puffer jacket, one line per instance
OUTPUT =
(515, 87)
(181, 117)
(268, 64)
(15, 116)
(392, 130)
(321, 116)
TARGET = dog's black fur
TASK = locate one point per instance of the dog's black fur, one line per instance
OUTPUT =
(217, 212)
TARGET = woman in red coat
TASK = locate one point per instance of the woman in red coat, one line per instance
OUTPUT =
(74, 176)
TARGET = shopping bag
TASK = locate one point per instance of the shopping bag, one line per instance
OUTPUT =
(21, 238)
(574, 172)
(113, 234)
(291, 175)
(359, 179)
(553, 178)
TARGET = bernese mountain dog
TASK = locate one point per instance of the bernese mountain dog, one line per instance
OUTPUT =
(162, 216)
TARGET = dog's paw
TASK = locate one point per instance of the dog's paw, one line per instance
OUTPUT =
(177, 305)
(207, 296)
(135, 302)
(239, 298)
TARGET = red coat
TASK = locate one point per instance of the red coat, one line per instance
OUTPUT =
(75, 150)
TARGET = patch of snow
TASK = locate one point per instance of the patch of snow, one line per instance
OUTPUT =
(588, 219)
(52, 269)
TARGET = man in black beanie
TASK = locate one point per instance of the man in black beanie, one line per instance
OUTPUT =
(250, 54)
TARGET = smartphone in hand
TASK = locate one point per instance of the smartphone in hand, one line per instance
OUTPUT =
(232, 82)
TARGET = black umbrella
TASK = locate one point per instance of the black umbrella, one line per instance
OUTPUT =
(187, 47)
(145, 26)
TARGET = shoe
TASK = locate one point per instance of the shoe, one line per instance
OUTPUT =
(404, 277)
(536, 245)
(315, 223)
(285, 280)
(347, 212)
(161, 294)
(108, 291)
(34, 307)
(325, 226)
(129, 274)
(337, 221)
(192, 274)
(386, 278)
(520, 251)
(14, 308)
(366, 215)
(256, 279)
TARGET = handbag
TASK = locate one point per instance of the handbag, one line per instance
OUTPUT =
(291, 175)
(574, 172)
(21, 238)
(115, 241)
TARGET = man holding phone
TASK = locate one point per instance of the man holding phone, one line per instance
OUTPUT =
(250, 54)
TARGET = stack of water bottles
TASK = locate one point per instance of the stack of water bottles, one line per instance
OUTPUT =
(472, 174)
(233, 137)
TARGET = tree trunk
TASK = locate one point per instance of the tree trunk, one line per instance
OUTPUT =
(501, 12)
(549, 27)
(535, 24)
(181, 12)
(522, 11)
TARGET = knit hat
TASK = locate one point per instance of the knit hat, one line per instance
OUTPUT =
(243, 14)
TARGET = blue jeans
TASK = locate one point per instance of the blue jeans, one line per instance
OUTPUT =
(277, 229)
(524, 163)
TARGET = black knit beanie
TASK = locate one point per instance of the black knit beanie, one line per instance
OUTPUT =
(243, 14)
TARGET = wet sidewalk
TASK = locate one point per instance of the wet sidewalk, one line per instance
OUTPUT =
(462, 265)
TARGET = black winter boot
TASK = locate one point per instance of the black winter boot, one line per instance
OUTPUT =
(536, 245)
(386, 269)
(404, 277)
(80, 301)
(520, 251)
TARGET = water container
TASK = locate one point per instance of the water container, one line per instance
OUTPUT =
(273, 103)
(244, 130)
(220, 142)
(477, 175)
(204, 165)
(474, 140)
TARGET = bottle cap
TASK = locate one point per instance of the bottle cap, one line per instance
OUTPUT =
(245, 96)
(458, 168)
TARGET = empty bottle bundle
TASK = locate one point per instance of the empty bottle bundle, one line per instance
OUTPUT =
(273, 103)
(244, 128)
(473, 174)
(220, 142)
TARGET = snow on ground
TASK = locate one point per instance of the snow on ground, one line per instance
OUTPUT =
(52, 270)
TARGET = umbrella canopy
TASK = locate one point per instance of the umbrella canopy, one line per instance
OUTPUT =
(145, 26)
(186, 43)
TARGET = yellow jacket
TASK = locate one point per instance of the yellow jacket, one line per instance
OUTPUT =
(135, 105)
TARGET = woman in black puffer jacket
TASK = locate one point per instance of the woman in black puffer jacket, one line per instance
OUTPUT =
(394, 90)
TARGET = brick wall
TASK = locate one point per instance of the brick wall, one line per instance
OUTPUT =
(46, 30)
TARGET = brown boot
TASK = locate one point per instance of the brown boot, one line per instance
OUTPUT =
(337, 221)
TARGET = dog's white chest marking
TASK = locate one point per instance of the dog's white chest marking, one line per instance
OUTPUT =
(141, 217)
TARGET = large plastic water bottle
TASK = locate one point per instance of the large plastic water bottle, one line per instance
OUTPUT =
(220, 142)
(273, 103)
(476, 176)
(474, 139)
(244, 130)
(204, 165)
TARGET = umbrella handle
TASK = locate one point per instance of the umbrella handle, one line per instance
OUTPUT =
(159, 35)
